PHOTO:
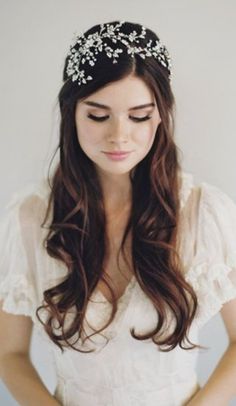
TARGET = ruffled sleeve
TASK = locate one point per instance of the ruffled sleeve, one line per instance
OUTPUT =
(19, 274)
(213, 270)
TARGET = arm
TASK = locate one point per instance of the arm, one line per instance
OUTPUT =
(221, 386)
(16, 369)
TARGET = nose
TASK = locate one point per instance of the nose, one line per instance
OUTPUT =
(118, 131)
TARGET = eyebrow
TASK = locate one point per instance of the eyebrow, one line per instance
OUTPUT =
(102, 106)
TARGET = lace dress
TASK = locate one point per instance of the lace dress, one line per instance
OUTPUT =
(123, 371)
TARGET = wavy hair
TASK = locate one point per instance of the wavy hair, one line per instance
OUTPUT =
(77, 229)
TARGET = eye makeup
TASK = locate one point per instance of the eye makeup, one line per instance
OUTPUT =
(103, 118)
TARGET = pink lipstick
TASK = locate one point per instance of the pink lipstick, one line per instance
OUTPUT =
(118, 155)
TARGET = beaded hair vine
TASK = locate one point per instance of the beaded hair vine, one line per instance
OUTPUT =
(85, 49)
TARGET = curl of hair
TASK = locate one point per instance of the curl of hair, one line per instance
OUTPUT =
(78, 226)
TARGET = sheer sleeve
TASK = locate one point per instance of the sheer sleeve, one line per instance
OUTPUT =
(213, 270)
(19, 244)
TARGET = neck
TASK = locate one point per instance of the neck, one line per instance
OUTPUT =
(117, 193)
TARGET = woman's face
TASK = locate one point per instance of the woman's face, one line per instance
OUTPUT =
(118, 106)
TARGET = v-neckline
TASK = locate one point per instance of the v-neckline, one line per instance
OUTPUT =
(126, 292)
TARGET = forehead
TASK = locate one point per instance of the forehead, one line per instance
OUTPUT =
(129, 93)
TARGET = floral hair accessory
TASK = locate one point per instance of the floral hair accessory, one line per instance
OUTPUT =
(85, 49)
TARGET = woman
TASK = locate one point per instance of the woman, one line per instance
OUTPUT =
(120, 259)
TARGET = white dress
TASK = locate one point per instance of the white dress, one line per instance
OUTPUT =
(125, 371)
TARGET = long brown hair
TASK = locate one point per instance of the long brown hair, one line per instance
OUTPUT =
(78, 227)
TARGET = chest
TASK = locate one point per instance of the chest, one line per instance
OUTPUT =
(117, 271)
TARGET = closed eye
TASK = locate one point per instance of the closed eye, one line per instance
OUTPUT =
(103, 118)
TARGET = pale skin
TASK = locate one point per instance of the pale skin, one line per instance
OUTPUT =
(118, 131)
(16, 368)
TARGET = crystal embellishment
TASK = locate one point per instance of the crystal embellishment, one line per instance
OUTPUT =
(85, 50)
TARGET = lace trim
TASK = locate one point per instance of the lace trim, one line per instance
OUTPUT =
(100, 307)
(214, 284)
(126, 293)
(18, 296)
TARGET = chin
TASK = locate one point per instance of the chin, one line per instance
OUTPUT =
(114, 171)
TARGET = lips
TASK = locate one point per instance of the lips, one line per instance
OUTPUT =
(117, 152)
(117, 155)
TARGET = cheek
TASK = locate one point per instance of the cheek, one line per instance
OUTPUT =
(88, 136)
(146, 136)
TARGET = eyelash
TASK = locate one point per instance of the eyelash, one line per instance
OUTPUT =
(100, 119)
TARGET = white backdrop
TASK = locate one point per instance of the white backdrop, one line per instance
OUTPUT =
(200, 36)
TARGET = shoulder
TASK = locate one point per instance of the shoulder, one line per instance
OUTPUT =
(208, 221)
(29, 203)
(38, 190)
(207, 198)
(216, 201)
